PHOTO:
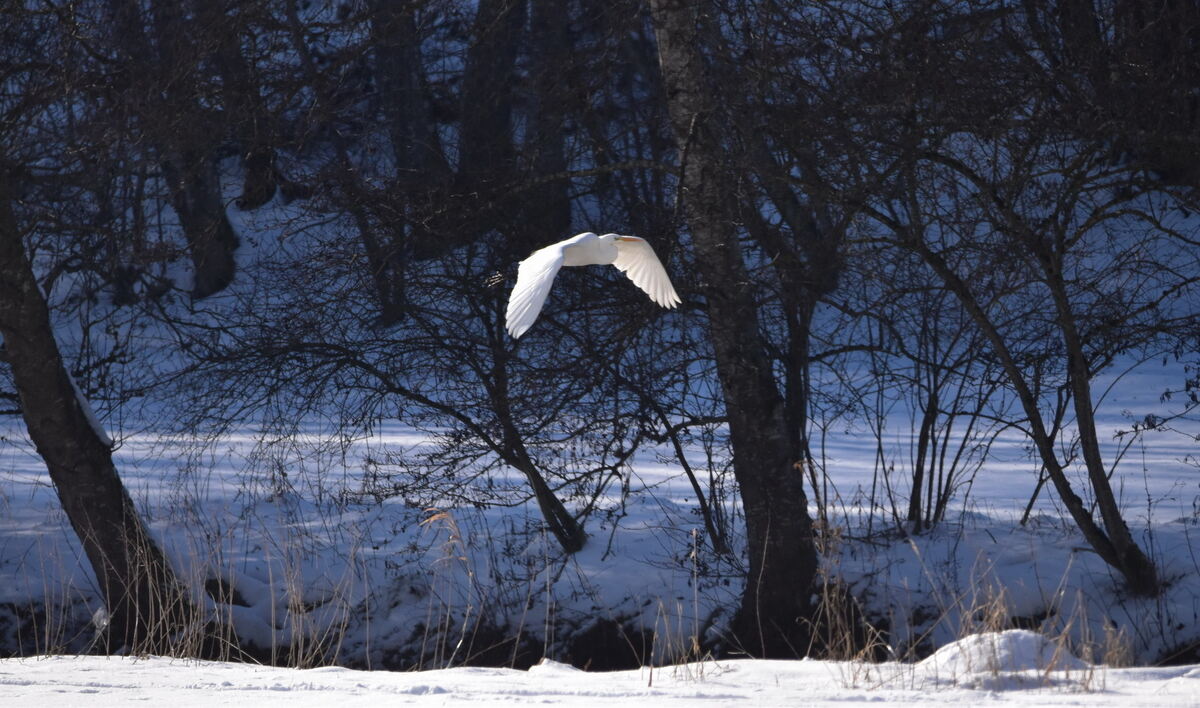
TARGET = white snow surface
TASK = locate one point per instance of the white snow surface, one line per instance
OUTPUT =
(118, 681)
(990, 652)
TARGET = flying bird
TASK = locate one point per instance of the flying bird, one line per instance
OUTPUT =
(630, 254)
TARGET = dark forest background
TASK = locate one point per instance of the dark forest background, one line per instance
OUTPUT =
(218, 212)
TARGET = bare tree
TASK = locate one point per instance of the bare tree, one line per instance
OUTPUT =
(72, 208)
(147, 608)
(1061, 257)
(783, 560)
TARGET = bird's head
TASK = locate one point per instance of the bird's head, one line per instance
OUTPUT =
(619, 237)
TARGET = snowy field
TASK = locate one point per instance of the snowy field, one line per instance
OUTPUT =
(321, 571)
(1005, 673)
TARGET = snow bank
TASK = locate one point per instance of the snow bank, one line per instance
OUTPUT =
(1016, 658)
(115, 681)
(1013, 650)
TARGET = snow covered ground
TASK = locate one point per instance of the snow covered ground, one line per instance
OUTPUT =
(322, 571)
(1006, 669)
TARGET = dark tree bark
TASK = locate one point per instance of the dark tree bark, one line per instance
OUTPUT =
(403, 95)
(808, 265)
(146, 604)
(195, 186)
(924, 434)
(421, 170)
(485, 147)
(1128, 72)
(771, 620)
(565, 528)
(161, 93)
(245, 112)
(188, 155)
(1130, 559)
(549, 207)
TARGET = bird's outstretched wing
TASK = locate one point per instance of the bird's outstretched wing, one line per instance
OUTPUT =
(636, 259)
(535, 275)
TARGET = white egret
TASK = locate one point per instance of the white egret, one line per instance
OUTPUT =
(630, 254)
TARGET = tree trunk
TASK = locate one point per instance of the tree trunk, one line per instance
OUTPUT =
(245, 112)
(195, 186)
(187, 152)
(416, 148)
(146, 605)
(163, 96)
(918, 477)
(772, 618)
(548, 210)
(486, 164)
(1138, 569)
(566, 529)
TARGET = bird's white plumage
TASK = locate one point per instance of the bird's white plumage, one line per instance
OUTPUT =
(636, 259)
(535, 275)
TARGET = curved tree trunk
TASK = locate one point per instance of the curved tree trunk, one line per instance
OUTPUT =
(147, 607)
(566, 529)
(1131, 560)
